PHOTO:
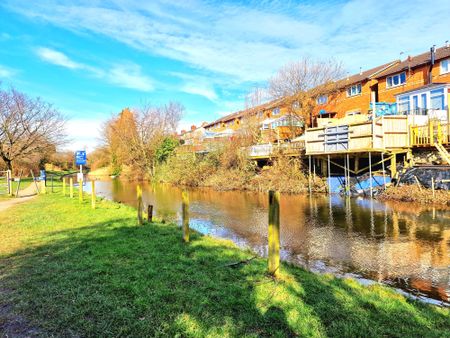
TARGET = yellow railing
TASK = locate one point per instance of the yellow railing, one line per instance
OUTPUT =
(428, 135)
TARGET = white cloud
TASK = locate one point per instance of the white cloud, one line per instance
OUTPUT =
(205, 91)
(248, 42)
(83, 134)
(130, 76)
(57, 58)
(6, 72)
(127, 75)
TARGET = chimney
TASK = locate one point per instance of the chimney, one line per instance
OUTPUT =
(432, 61)
(446, 44)
(193, 127)
(360, 70)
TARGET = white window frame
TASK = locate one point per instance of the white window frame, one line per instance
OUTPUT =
(447, 62)
(322, 99)
(358, 90)
(353, 112)
(392, 85)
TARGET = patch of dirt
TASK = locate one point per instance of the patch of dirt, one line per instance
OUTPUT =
(13, 325)
(5, 204)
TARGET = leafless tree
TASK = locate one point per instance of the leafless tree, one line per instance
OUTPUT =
(301, 82)
(135, 135)
(28, 127)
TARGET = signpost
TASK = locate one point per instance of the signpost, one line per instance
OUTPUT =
(80, 159)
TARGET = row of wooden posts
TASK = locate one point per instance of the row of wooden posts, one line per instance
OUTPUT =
(80, 190)
(273, 224)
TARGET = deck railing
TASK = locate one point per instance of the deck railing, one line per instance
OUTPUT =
(274, 149)
(429, 134)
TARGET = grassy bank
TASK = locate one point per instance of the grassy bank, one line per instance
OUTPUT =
(68, 270)
(415, 194)
(230, 170)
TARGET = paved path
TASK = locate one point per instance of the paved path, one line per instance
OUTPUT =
(25, 195)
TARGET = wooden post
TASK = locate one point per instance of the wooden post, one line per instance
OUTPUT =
(356, 164)
(329, 175)
(80, 190)
(384, 174)
(35, 183)
(64, 186)
(52, 182)
(393, 166)
(9, 182)
(71, 187)
(431, 131)
(150, 213)
(309, 174)
(139, 204)
(18, 185)
(185, 215)
(274, 233)
(432, 187)
(370, 174)
(93, 199)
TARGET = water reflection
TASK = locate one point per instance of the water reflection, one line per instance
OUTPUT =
(399, 244)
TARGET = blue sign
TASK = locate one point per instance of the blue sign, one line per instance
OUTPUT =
(80, 157)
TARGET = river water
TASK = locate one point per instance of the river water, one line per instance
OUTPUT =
(404, 245)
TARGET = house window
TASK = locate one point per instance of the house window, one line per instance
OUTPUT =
(354, 90)
(396, 80)
(445, 66)
(437, 99)
(403, 104)
(260, 114)
(322, 99)
(424, 100)
(276, 111)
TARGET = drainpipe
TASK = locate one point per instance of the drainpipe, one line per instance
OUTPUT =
(432, 61)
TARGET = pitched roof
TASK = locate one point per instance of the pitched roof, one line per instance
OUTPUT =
(365, 75)
(415, 61)
(232, 116)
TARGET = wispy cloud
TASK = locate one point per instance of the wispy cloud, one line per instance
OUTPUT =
(249, 41)
(6, 72)
(128, 75)
(57, 58)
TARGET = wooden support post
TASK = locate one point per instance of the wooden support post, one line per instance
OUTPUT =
(71, 187)
(432, 187)
(384, 174)
(80, 190)
(348, 175)
(139, 204)
(150, 213)
(411, 136)
(18, 185)
(329, 175)
(274, 233)
(393, 166)
(309, 174)
(64, 186)
(356, 164)
(370, 174)
(93, 198)
(51, 178)
(185, 215)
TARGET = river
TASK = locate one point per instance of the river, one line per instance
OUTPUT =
(403, 245)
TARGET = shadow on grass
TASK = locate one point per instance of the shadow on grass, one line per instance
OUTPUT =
(116, 280)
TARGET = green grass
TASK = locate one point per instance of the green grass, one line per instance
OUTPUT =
(68, 270)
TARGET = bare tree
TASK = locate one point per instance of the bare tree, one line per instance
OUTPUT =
(28, 127)
(135, 135)
(301, 82)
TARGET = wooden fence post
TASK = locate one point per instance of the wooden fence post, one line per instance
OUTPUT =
(9, 182)
(71, 187)
(432, 187)
(150, 213)
(93, 194)
(185, 215)
(274, 233)
(80, 190)
(139, 204)
(64, 186)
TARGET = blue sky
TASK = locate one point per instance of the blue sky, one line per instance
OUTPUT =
(93, 58)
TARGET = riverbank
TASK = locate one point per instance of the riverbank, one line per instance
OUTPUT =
(69, 270)
(416, 194)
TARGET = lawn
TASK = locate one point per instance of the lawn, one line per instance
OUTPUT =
(68, 270)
